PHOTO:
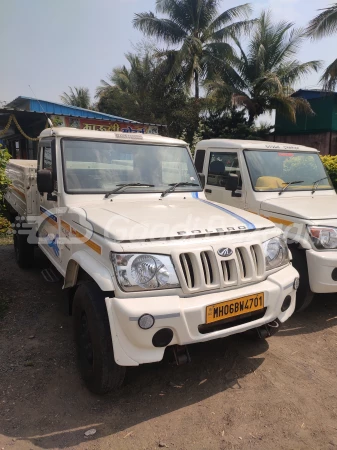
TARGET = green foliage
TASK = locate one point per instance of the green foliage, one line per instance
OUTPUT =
(78, 96)
(4, 182)
(138, 92)
(198, 136)
(261, 78)
(330, 164)
(233, 124)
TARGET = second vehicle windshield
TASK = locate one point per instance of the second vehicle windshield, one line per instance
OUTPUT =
(101, 167)
(274, 170)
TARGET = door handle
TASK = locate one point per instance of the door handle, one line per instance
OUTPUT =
(209, 191)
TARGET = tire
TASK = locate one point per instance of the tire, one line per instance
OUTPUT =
(24, 252)
(93, 340)
(304, 294)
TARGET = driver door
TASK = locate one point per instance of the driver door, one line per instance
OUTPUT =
(49, 228)
(220, 166)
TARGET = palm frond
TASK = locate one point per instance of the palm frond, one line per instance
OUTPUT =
(78, 96)
(236, 29)
(164, 29)
(324, 24)
(294, 71)
(241, 12)
(329, 78)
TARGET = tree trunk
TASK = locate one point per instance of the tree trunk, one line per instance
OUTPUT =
(251, 118)
(196, 82)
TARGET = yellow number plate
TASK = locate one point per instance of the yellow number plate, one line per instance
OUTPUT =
(236, 307)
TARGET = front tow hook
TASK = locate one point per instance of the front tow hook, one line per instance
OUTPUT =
(269, 329)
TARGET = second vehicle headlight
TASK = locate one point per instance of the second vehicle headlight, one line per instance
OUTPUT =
(324, 237)
(276, 252)
(137, 271)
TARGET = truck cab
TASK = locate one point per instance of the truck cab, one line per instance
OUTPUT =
(288, 185)
(147, 260)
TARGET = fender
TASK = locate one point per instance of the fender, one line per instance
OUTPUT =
(98, 272)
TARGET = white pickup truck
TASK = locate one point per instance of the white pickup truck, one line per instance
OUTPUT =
(148, 262)
(288, 185)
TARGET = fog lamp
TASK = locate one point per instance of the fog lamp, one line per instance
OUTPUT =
(146, 321)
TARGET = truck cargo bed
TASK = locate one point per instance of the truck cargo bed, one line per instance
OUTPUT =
(22, 193)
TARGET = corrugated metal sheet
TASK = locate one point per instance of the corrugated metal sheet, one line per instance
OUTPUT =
(40, 106)
(325, 119)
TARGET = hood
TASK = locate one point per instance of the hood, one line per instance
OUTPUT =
(311, 207)
(168, 218)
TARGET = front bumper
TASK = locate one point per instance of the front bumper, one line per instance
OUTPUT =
(320, 267)
(133, 346)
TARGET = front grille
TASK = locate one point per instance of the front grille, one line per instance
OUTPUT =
(206, 270)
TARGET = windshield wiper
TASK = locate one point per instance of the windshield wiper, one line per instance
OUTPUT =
(173, 187)
(122, 186)
(316, 183)
(289, 184)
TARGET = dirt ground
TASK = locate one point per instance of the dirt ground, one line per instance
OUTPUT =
(236, 393)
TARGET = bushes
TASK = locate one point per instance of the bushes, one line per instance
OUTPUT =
(330, 163)
(4, 157)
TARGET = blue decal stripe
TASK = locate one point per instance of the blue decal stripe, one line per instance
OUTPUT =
(48, 214)
(248, 224)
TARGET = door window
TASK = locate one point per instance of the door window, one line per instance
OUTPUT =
(220, 166)
(47, 159)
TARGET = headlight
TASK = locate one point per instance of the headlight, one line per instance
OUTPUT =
(276, 253)
(137, 272)
(323, 237)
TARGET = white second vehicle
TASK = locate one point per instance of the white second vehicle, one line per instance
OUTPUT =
(288, 185)
(147, 260)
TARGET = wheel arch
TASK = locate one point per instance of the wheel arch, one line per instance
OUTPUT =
(83, 262)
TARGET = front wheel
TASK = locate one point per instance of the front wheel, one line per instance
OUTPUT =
(93, 341)
(304, 294)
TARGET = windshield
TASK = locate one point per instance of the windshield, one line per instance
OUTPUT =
(101, 166)
(273, 170)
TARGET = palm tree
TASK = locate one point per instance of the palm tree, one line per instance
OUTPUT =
(131, 85)
(78, 96)
(261, 79)
(323, 25)
(137, 90)
(200, 32)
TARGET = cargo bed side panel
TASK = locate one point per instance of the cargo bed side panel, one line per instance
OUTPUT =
(22, 193)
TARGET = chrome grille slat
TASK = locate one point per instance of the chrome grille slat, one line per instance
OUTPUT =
(186, 270)
(205, 269)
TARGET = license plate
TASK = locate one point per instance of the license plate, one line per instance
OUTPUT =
(232, 308)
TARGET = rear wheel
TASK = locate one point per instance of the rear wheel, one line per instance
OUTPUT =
(93, 340)
(304, 294)
(24, 252)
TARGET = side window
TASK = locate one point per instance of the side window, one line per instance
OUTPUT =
(220, 166)
(47, 158)
(199, 160)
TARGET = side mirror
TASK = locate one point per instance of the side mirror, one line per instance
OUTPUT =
(45, 181)
(202, 179)
(232, 182)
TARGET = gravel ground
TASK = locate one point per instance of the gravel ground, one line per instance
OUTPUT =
(237, 393)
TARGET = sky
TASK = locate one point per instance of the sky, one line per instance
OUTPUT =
(53, 45)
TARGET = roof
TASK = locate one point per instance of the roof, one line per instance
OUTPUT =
(43, 106)
(310, 94)
(246, 145)
(109, 135)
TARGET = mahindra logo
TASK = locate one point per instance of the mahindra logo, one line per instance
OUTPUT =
(225, 252)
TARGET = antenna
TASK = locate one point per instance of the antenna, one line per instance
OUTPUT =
(48, 119)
